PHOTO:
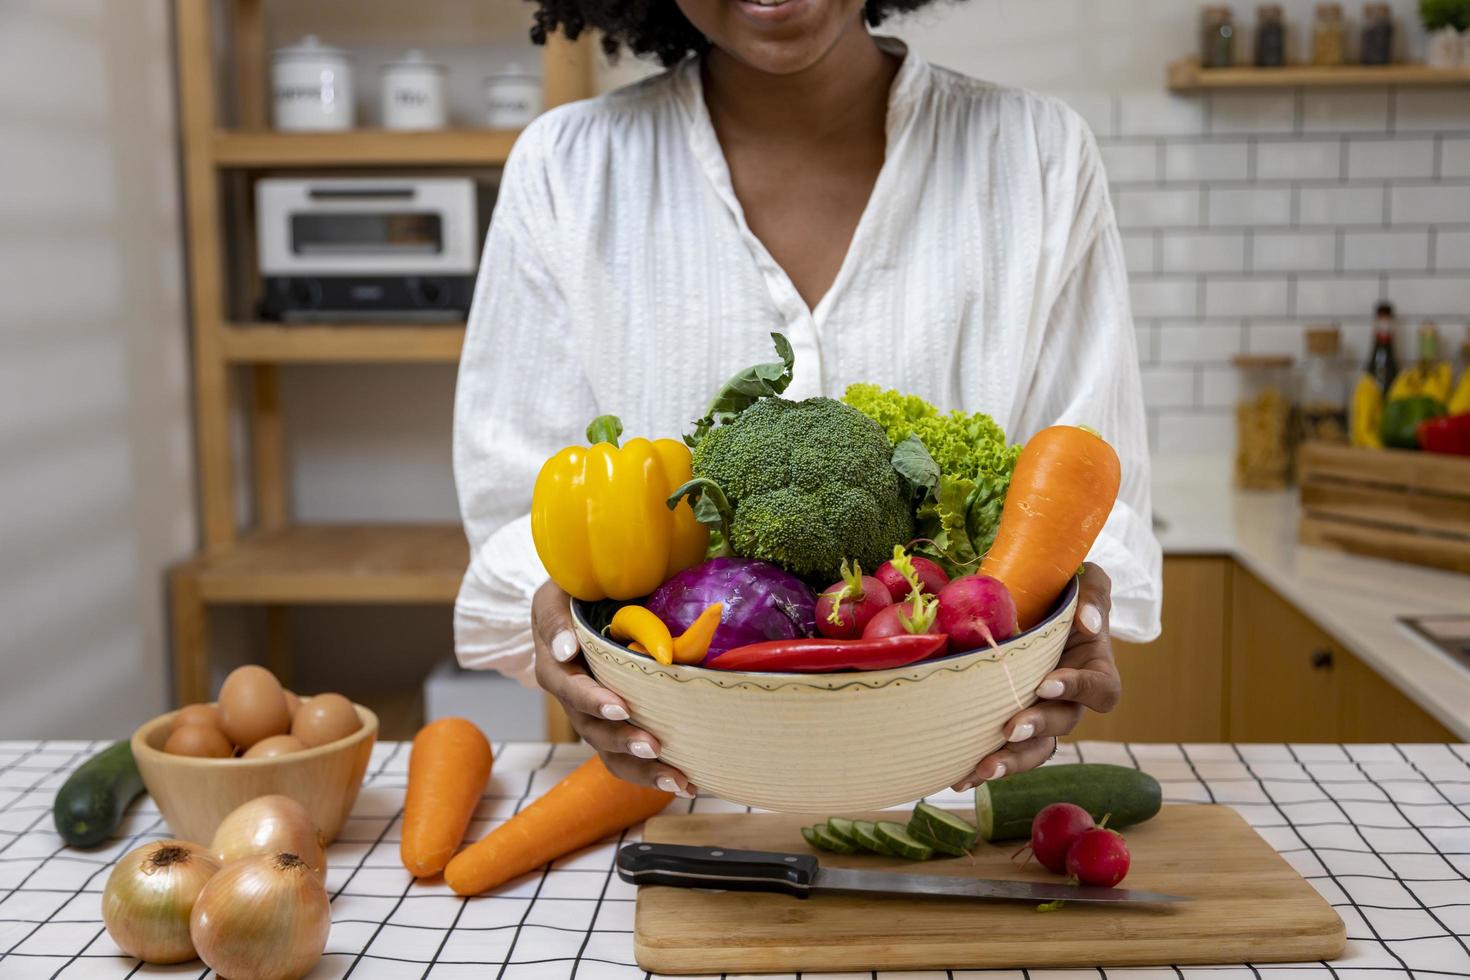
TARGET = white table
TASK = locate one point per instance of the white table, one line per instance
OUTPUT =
(1383, 832)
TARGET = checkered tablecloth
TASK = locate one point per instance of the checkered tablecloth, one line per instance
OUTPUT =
(1383, 832)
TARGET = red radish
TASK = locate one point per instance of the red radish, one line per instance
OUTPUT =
(1099, 857)
(904, 618)
(904, 571)
(1054, 830)
(976, 611)
(844, 609)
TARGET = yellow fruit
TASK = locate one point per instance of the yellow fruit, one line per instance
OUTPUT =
(1367, 414)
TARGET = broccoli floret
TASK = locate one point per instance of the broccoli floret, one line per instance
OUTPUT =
(810, 483)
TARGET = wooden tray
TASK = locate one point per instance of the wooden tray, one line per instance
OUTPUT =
(1249, 906)
(1387, 503)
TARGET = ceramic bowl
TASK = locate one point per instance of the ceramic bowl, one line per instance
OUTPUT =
(828, 743)
(194, 795)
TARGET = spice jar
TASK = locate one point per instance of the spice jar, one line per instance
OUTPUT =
(1323, 412)
(1270, 36)
(1377, 34)
(1217, 38)
(1329, 36)
(1263, 436)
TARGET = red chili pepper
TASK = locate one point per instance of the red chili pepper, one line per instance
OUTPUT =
(1450, 434)
(821, 656)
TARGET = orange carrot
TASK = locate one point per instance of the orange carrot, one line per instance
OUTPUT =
(448, 769)
(1061, 494)
(582, 809)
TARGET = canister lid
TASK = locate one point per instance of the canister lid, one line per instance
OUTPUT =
(512, 72)
(1324, 340)
(309, 47)
(1251, 361)
(414, 60)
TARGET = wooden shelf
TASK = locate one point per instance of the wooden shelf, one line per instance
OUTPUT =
(269, 343)
(363, 148)
(330, 563)
(1186, 75)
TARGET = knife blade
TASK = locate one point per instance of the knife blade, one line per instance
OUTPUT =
(801, 875)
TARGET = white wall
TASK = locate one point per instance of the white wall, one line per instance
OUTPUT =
(95, 454)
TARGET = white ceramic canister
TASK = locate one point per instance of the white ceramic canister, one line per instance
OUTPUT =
(413, 94)
(512, 98)
(311, 87)
(1446, 48)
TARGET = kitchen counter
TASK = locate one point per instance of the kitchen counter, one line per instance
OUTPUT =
(1356, 600)
(1382, 832)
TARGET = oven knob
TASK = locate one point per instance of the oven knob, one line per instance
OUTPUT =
(306, 294)
(430, 292)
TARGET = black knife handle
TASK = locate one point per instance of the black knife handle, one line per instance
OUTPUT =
(678, 866)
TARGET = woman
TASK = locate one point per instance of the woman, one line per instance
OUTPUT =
(901, 224)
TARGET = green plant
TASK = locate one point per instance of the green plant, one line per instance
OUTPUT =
(1439, 14)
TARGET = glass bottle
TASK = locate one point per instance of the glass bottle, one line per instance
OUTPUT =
(1329, 36)
(1263, 423)
(1217, 38)
(1383, 364)
(1323, 411)
(1377, 34)
(1270, 36)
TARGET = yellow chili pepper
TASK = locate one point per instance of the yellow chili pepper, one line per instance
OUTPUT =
(639, 625)
(691, 646)
(600, 520)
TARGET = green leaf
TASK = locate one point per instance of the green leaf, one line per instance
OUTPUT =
(942, 521)
(710, 505)
(913, 462)
(746, 388)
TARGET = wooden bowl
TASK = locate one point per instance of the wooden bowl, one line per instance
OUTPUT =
(194, 795)
(829, 743)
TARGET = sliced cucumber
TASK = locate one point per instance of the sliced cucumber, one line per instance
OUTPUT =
(902, 843)
(1005, 807)
(865, 832)
(809, 834)
(919, 831)
(841, 828)
(828, 841)
(947, 828)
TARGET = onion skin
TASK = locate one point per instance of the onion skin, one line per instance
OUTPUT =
(150, 895)
(269, 825)
(262, 918)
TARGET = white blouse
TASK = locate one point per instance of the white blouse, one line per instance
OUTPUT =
(619, 277)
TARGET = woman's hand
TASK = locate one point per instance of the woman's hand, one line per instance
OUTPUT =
(597, 714)
(1087, 677)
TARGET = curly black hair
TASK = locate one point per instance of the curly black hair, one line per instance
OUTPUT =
(653, 27)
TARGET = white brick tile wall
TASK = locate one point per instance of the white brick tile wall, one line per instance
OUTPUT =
(1293, 251)
(1147, 334)
(1452, 251)
(1219, 387)
(1430, 204)
(1168, 387)
(1196, 432)
(1330, 298)
(1454, 158)
(1253, 207)
(1164, 297)
(1274, 338)
(1442, 297)
(1192, 342)
(1160, 114)
(1299, 160)
(1095, 108)
(1202, 251)
(1255, 296)
(1340, 205)
(1131, 163)
(1206, 161)
(1139, 251)
(1345, 111)
(1385, 251)
(1161, 208)
(1430, 110)
(1239, 113)
(1368, 159)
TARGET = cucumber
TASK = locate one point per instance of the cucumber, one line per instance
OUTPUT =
(919, 831)
(809, 834)
(841, 828)
(1004, 808)
(945, 827)
(865, 832)
(902, 843)
(90, 804)
(828, 841)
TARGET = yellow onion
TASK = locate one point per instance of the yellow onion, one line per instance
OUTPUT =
(270, 825)
(262, 918)
(150, 895)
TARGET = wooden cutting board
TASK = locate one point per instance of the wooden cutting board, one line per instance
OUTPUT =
(1249, 906)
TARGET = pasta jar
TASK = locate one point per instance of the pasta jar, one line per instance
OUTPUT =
(1323, 411)
(311, 87)
(1270, 36)
(1217, 37)
(1329, 36)
(1377, 34)
(1263, 423)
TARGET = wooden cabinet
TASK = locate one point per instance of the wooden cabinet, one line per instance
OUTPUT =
(1172, 687)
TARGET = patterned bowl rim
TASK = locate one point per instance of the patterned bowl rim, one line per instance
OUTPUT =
(956, 663)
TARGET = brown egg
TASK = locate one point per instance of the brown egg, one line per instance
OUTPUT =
(268, 748)
(252, 706)
(292, 701)
(195, 714)
(201, 741)
(325, 718)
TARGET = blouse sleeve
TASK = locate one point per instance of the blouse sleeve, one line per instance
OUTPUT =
(1087, 374)
(522, 395)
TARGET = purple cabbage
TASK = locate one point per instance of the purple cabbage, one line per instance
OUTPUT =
(762, 602)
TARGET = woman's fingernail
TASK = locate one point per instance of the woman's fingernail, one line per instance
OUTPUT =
(1023, 731)
(642, 750)
(1000, 770)
(684, 794)
(1091, 618)
(1050, 689)
(614, 712)
(564, 646)
(964, 786)
(667, 784)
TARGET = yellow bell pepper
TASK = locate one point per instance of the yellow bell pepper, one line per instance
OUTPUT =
(1429, 378)
(1460, 400)
(600, 520)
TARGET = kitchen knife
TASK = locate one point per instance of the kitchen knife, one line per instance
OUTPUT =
(801, 875)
